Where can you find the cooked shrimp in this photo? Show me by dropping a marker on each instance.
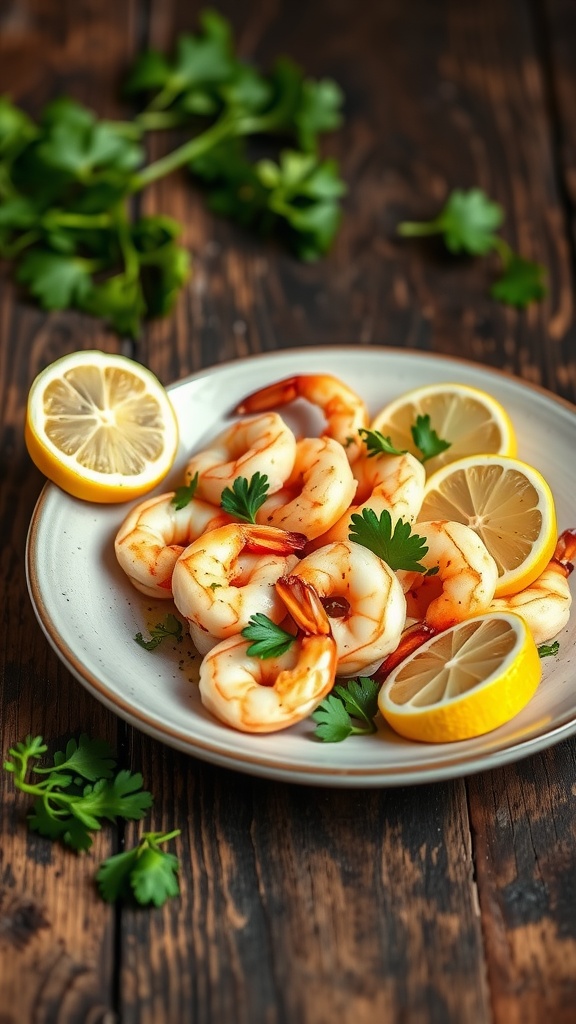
(154, 535)
(228, 575)
(364, 600)
(545, 604)
(393, 482)
(317, 492)
(465, 582)
(268, 694)
(264, 444)
(344, 410)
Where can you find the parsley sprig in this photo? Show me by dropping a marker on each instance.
(377, 444)
(468, 224)
(347, 711)
(425, 439)
(184, 495)
(549, 650)
(245, 497)
(66, 809)
(67, 180)
(145, 872)
(268, 639)
(171, 628)
(398, 547)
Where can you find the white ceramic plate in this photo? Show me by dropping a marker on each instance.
(90, 612)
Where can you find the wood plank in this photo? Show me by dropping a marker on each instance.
(307, 906)
(56, 935)
(449, 96)
(457, 90)
(524, 835)
(556, 27)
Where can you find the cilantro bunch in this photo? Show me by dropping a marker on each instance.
(67, 180)
(75, 794)
(468, 224)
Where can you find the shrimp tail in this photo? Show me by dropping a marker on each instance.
(280, 393)
(412, 639)
(304, 604)
(565, 551)
(272, 540)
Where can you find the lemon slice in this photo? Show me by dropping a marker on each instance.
(464, 682)
(469, 419)
(100, 426)
(508, 504)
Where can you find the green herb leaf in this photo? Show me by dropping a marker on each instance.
(521, 282)
(360, 698)
(548, 650)
(146, 872)
(185, 494)
(467, 223)
(66, 183)
(63, 808)
(269, 640)
(170, 628)
(92, 759)
(56, 281)
(399, 548)
(244, 498)
(426, 439)
(377, 444)
(357, 702)
(334, 724)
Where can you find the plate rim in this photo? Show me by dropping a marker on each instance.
(363, 776)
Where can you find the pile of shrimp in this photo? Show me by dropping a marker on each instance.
(349, 612)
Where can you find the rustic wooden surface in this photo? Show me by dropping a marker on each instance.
(435, 905)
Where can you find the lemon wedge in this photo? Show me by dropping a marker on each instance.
(471, 420)
(464, 682)
(508, 504)
(100, 426)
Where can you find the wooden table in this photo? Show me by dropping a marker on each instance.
(452, 902)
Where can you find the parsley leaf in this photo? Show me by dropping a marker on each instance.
(146, 872)
(399, 548)
(269, 640)
(426, 439)
(467, 223)
(57, 281)
(377, 444)
(92, 759)
(521, 282)
(63, 808)
(548, 650)
(185, 494)
(355, 702)
(245, 497)
(171, 627)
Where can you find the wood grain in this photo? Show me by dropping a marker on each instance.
(56, 935)
(306, 905)
(434, 905)
(524, 836)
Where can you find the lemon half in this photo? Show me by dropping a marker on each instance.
(100, 426)
(508, 504)
(463, 682)
(469, 419)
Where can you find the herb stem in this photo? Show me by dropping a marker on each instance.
(81, 221)
(184, 154)
(504, 251)
(28, 238)
(157, 120)
(411, 228)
